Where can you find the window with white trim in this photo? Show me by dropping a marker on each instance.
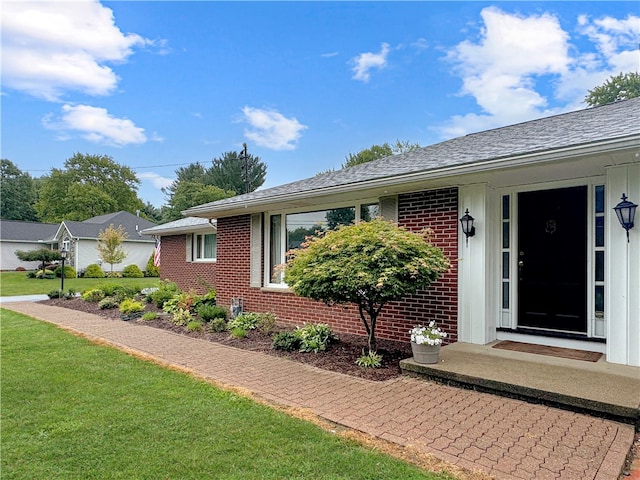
(205, 246)
(287, 231)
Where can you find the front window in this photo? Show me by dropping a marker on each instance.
(205, 246)
(295, 227)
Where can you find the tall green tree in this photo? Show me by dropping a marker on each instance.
(195, 184)
(187, 194)
(619, 87)
(17, 193)
(110, 245)
(227, 172)
(379, 151)
(87, 186)
(368, 264)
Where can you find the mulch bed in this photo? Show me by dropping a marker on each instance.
(339, 356)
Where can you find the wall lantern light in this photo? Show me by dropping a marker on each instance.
(467, 225)
(626, 212)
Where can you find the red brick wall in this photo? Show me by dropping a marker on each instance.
(435, 209)
(189, 276)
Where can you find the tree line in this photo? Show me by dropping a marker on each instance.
(90, 185)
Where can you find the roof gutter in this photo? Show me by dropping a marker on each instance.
(565, 153)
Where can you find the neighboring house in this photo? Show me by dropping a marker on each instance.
(549, 262)
(81, 240)
(188, 249)
(19, 235)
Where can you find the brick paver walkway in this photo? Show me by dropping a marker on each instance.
(506, 438)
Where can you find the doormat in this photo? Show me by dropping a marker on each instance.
(549, 351)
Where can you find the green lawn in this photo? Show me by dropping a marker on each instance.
(73, 409)
(17, 283)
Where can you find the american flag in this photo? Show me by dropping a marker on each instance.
(156, 253)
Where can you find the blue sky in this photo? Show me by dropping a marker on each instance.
(158, 85)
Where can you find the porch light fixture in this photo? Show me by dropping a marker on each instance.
(467, 225)
(626, 212)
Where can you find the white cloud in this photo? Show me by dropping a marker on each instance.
(156, 179)
(513, 52)
(95, 125)
(271, 129)
(329, 55)
(50, 48)
(364, 62)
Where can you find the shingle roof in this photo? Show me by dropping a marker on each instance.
(188, 224)
(91, 227)
(580, 128)
(27, 231)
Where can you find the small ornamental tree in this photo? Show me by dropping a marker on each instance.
(369, 264)
(43, 255)
(109, 245)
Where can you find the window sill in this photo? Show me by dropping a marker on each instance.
(204, 260)
(276, 290)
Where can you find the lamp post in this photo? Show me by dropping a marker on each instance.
(63, 256)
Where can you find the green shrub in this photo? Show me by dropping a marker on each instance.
(209, 312)
(180, 301)
(131, 306)
(69, 272)
(370, 360)
(45, 274)
(108, 303)
(217, 325)
(266, 322)
(238, 332)
(93, 295)
(208, 298)
(151, 270)
(54, 294)
(71, 293)
(166, 290)
(244, 321)
(194, 326)
(93, 271)
(120, 292)
(252, 321)
(109, 289)
(182, 317)
(31, 274)
(148, 316)
(314, 337)
(286, 341)
(132, 271)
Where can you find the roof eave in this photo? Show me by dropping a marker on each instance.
(179, 230)
(564, 153)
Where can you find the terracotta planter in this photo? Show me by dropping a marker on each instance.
(424, 353)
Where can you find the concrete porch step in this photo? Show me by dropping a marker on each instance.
(597, 388)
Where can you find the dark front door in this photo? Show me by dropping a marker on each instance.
(552, 259)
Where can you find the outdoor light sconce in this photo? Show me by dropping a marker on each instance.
(626, 212)
(467, 225)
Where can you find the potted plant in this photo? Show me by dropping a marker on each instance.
(426, 342)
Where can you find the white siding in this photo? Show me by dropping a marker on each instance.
(86, 252)
(8, 259)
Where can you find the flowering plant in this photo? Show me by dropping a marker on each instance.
(430, 335)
